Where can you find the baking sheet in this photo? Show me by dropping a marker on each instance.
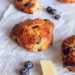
(12, 56)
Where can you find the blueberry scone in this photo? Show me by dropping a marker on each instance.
(28, 6)
(68, 53)
(34, 35)
(67, 1)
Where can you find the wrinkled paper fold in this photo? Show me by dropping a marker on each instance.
(12, 56)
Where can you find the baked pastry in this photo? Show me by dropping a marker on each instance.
(67, 1)
(68, 53)
(28, 6)
(34, 35)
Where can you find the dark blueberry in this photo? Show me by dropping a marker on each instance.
(29, 65)
(66, 50)
(35, 26)
(27, 4)
(46, 19)
(49, 9)
(21, 9)
(69, 64)
(19, 0)
(70, 70)
(39, 50)
(53, 12)
(57, 17)
(24, 71)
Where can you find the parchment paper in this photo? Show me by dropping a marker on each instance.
(12, 56)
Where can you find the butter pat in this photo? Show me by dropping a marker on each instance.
(47, 67)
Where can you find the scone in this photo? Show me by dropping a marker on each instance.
(68, 53)
(34, 35)
(67, 1)
(28, 6)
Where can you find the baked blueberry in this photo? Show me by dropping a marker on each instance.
(24, 71)
(27, 4)
(57, 17)
(29, 65)
(19, 0)
(69, 64)
(66, 50)
(46, 20)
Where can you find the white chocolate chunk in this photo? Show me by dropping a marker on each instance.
(47, 67)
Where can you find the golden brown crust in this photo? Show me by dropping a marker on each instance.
(28, 6)
(67, 1)
(68, 52)
(34, 35)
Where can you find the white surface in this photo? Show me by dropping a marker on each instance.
(12, 56)
(3, 6)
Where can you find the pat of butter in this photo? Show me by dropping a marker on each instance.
(47, 67)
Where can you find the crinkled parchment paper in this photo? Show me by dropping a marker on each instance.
(13, 56)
